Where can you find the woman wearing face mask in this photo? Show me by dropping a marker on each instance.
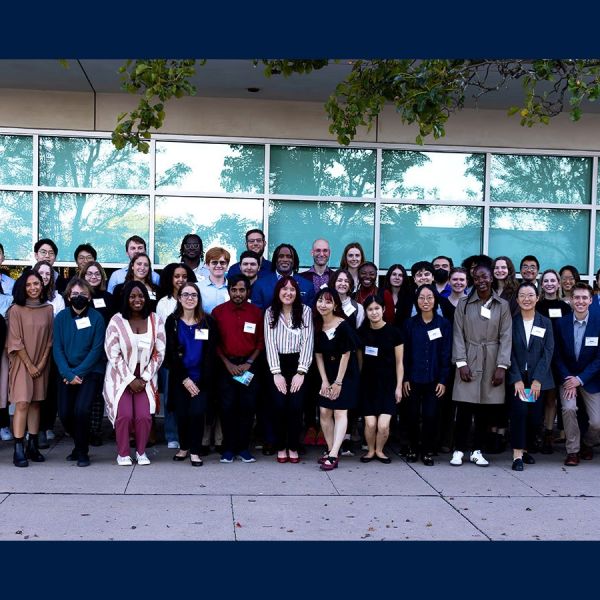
(398, 284)
(367, 277)
(29, 345)
(102, 301)
(335, 355)
(140, 269)
(569, 276)
(352, 257)
(79, 355)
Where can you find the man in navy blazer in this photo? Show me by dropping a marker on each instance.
(285, 262)
(577, 361)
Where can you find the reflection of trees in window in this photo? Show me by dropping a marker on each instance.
(559, 179)
(15, 224)
(244, 169)
(322, 171)
(16, 160)
(300, 223)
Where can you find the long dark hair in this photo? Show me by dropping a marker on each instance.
(165, 287)
(431, 287)
(127, 289)
(19, 292)
(343, 261)
(199, 313)
(148, 280)
(295, 258)
(277, 305)
(510, 283)
(330, 294)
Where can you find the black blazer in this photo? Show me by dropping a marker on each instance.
(537, 355)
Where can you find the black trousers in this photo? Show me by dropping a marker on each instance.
(422, 405)
(190, 412)
(466, 413)
(75, 408)
(49, 406)
(525, 421)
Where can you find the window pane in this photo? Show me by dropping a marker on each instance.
(300, 223)
(16, 210)
(103, 220)
(410, 233)
(432, 175)
(218, 221)
(555, 237)
(559, 179)
(210, 168)
(87, 163)
(16, 160)
(322, 171)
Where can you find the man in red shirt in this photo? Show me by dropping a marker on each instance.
(241, 340)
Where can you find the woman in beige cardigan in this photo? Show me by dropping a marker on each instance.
(481, 351)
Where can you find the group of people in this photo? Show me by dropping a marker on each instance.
(457, 359)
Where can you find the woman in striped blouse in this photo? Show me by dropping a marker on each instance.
(289, 346)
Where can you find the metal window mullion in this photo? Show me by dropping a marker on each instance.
(486, 204)
(152, 194)
(377, 220)
(266, 196)
(35, 221)
(593, 220)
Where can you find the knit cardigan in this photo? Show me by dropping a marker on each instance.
(122, 353)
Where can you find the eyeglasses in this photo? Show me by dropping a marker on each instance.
(527, 296)
(48, 253)
(254, 241)
(191, 246)
(567, 278)
(529, 268)
(214, 263)
(93, 275)
(189, 295)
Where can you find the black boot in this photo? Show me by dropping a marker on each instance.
(19, 458)
(33, 451)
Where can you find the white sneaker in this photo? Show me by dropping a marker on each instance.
(173, 445)
(142, 459)
(50, 434)
(456, 459)
(477, 458)
(5, 434)
(124, 461)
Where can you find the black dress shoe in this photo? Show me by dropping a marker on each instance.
(268, 450)
(528, 459)
(411, 457)
(428, 460)
(73, 456)
(517, 464)
(386, 460)
(366, 459)
(83, 461)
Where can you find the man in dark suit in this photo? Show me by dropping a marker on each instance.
(577, 360)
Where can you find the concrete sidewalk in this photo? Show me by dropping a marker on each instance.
(57, 500)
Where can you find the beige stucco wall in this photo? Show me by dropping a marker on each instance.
(271, 119)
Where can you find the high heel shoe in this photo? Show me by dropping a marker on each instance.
(283, 459)
(179, 458)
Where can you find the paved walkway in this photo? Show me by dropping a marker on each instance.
(57, 500)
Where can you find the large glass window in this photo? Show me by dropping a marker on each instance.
(432, 175)
(103, 220)
(305, 171)
(218, 221)
(16, 160)
(555, 237)
(419, 232)
(556, 179)
(300, 223)
(91, 163)
(210, 168)
(15, 224)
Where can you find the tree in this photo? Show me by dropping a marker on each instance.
(423, 92)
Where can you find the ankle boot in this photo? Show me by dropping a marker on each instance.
(19, 458)
(33, 451)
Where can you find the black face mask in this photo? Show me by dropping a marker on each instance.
(79, 302)
(440, 276)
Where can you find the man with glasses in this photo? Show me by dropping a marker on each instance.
(192, 255)
(46, 249)
(529, 267)
(134, 245)
(319, 273)
(214, 287)
(255, 242)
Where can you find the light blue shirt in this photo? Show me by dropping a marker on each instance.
(5, 303)
(579, 332)
(7, 283)
(212, 295)
(119, 277)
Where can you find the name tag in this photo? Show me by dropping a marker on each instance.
(486, 313)
(323, 286)
(83, 323)
(201, 334)
(555, 313)
(144, 344)
(99, 303)
(434, 334)
(249, 327)
(371, 351)
(330, 333)
(349, 309)
(152, 295)
(591, 341)
(538, 331)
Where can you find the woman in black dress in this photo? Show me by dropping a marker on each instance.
(382, 371)
(335, 355)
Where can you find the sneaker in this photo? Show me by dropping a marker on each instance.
(174, 445)
(227, 457)
(246, 457)
(50, 434)
(142, 459)
(477, 458)
(124, 461)
(457, 458)
(347, 448)
(5, 434)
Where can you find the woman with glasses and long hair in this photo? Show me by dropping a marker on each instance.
(569, 276)
(102, 300)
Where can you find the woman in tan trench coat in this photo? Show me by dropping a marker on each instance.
(481, 351)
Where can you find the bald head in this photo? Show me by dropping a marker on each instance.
(320, 252)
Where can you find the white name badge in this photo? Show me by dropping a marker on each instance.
(591, 341)
(434, 334)
(323, 286)
(144, 344)
(371, 351)
(349, 309)
(330, 333)
(249, 327)
(85, 323)
(538, 331)
(555, 313)
(201, 334)
(486, 313)
(152, 295)
(99, 303)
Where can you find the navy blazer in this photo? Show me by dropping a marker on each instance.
(537, 355)
(264, 287)
(587, 368)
